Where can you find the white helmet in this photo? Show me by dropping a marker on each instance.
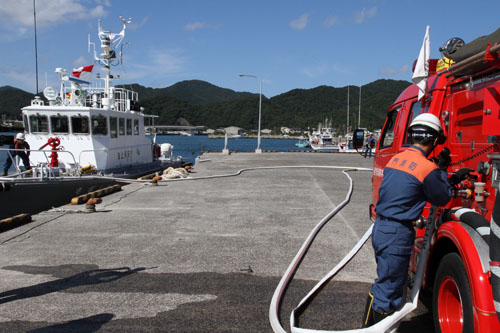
(427, 119)
(20, 136)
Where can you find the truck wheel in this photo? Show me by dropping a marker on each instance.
(451, 298)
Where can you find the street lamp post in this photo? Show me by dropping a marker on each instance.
(257, 150)
(359, 108)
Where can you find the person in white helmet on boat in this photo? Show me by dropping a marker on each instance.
(19, 143)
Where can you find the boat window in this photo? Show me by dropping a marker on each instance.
(136, 126)
(113, 124)
(80, 125)
(39, 124)
(99, 125)
(122, 126)
(129, 126)
(59, 124)
(26, 124)
(387, 136)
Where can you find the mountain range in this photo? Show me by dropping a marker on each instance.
(198, 102)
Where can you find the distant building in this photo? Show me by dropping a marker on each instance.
(266, 131)
(285, 130)
(233, 130)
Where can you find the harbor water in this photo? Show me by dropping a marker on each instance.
(190, 147)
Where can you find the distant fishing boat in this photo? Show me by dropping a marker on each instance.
(322, 138)
(303, 143)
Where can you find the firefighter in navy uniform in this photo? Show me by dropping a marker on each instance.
(410, 180)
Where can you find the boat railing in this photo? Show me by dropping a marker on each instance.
(124, 99)
(50, 171)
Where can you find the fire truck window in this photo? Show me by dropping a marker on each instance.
(129, 126)
(416, 109)
(80, 125)
(122, 126)
(59, 124)
(39, 124)
(26, 124)
(387, 136)
(113, 125)
(99, 125)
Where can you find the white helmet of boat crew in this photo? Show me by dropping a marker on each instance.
(20, 136)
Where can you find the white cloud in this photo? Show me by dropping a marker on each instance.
(98, 12)
(157, 63)
(331, 21)
(195, 26)
(323, 69)
(81, 61)
(316, 71)
(135, 26)
(200, 25)
(364, 14)
(106, 3)
(17, 16)
(300, 23)
(167, 62)
(24, 76)
(391, 71)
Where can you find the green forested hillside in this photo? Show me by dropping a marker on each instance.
(12, 100)
(201, 103)
(301, 108)
(192, 91)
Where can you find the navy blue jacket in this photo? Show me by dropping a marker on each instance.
(410, 180)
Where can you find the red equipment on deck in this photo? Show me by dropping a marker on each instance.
(54, 144)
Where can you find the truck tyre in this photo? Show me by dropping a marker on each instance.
(451, 297)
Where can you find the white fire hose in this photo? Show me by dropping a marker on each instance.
(388, 324)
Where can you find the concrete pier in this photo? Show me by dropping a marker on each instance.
(196, 255)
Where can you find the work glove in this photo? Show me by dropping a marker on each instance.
(460, 175)
(444, 159)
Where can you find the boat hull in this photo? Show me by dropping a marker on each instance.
(330, 148)
(34, 196)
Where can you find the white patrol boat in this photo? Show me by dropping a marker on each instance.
(83, 139)
(91, 128)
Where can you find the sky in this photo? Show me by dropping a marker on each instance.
(286, 44)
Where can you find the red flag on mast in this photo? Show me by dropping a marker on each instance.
(83, 71)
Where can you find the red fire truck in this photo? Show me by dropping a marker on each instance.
(463, 272)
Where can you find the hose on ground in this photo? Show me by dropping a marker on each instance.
(390, 323)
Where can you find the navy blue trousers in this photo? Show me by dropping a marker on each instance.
(22, 155)
(393, 243)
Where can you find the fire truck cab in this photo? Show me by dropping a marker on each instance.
(463, 274)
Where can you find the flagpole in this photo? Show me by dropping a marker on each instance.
(421, 71)
(347, 129)
(36, 47)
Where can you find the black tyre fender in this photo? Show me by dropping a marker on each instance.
(452, 270)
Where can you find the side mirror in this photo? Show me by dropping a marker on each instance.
(358, 138)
